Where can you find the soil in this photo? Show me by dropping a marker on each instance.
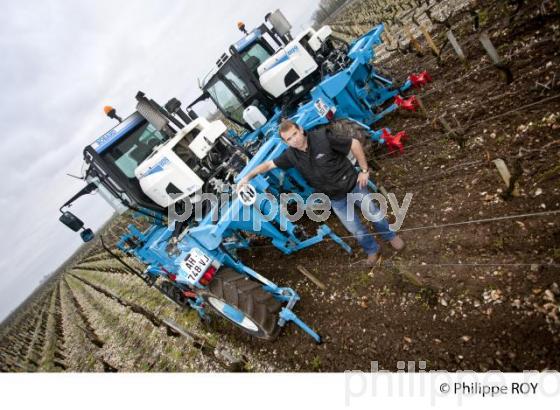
(427, 303)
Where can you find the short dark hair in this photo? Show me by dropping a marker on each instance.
(285, 125)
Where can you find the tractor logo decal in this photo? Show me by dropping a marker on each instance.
(292, 50)
(116, 133)
(157, 167)
(285, 57)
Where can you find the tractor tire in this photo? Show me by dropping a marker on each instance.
(244, 303)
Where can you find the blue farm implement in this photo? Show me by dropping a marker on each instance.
(162, 160)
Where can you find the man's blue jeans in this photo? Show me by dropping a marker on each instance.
(350, 218)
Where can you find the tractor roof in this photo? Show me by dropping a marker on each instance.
(117, 132)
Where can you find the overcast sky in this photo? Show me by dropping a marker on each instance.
(61, 62)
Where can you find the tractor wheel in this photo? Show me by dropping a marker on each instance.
(243, 302)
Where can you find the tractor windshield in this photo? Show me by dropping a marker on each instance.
(130, 151)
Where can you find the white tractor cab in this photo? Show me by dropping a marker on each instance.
(269, 68)
(155, 158)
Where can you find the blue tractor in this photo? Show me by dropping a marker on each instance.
(164, 162)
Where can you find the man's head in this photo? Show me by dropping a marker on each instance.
(293, 134)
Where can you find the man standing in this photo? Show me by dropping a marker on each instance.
(321, 158)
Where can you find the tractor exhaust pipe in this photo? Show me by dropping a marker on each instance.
(174, 107)
(156, 115)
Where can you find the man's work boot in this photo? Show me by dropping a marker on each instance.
(397, 243)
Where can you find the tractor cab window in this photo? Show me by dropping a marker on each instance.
(238, 83)
(254, 57)
(224, 97)
(132, 150)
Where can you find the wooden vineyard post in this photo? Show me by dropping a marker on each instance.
(457, 47)
(421, 107)
(495, 57)
(311, 277)
(413, 41)
(430, 40)
(509, 180)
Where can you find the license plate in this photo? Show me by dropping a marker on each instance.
(196, 264)
(321, 107)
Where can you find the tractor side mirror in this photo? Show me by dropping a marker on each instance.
(71, 221)
(87, 235)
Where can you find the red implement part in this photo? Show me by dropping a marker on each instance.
(409, 104)
(189, 294)
(208, 276)
(420, 80)
(172, 277)
(394, 142)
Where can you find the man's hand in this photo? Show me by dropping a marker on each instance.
(259, 169)
(363, 179)
(358, 152)
(242, 182)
